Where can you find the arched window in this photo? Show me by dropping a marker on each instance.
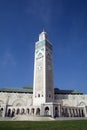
(56, 108)
(28, 110)
(9, 113)
(38, 111)
(32, 110)
(46, 111)
(13, 113)
(22, 111)
(18, 111)
(81, 104)
(38, 95)
(56, 112)
(1, 111)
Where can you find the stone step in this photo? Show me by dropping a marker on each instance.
(5, 119)
(31, 118)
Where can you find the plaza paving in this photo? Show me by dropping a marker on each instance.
(39, 118)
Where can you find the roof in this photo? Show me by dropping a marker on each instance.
(29, 89)
(18, 90)
(59, 91)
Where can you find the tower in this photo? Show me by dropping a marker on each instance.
(43, 90)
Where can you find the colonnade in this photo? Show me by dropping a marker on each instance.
(63, 111)
(72, 112)
(11, 112)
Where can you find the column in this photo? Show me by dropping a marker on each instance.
(68, 110)
(59, 110)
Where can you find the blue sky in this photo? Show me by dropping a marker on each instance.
(21, 22)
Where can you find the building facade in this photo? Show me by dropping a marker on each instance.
(43, 99)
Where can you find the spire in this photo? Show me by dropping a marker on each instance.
(43, 30)
(43, 35)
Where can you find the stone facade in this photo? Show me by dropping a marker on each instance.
(42, 100)
(12, 104)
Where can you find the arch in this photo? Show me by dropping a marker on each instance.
(47, 111)
(18, 102)
(56, 108)
(1, 111)
(13, 112)
(38, 111)
(27, 110)
(22, 111)
(9, 112)
(67, 103)
(82, 104)
(32, 111)
(56, 112)
(46, 108)
(1, 102)
(18, 111)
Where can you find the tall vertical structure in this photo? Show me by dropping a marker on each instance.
(43, 91)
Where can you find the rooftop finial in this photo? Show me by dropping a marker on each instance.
(43, 35)
(43, 30)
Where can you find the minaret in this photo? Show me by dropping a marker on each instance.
(43, 90)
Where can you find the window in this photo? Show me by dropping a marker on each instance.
(38, 95)
(49, 95)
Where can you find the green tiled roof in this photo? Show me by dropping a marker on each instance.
(19, 90)
(59, 91)
(29, 89)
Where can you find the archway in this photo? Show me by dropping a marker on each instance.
(38, 111)
(1, 111)
(32, 111)
(9, 113)
(13, 113)
(82, 104)
(56, 112)
(27, 111)
(46, 111)
(22, 111)
(18, 103)
(18, 111)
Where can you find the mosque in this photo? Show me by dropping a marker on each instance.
(42, 99)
